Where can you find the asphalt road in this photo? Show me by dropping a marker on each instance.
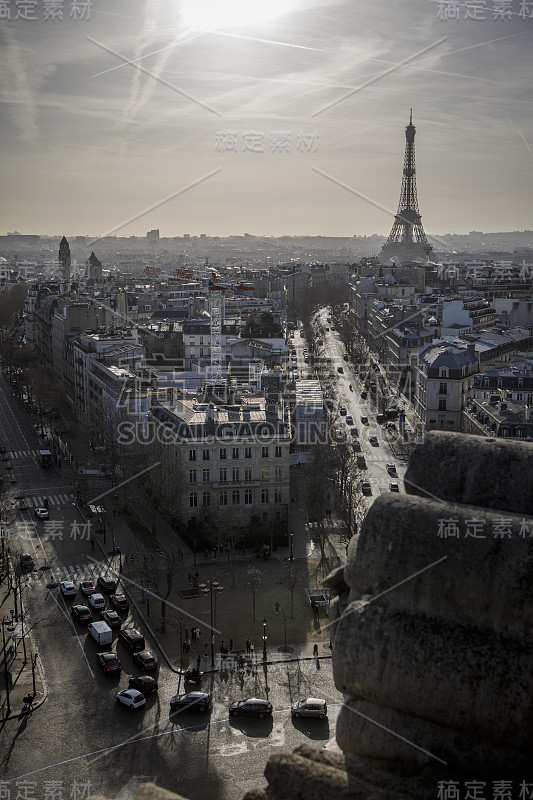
(80, 737)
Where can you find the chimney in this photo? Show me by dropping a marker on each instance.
(471, 348)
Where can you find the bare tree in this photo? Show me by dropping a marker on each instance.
(252, 582)
(291, 578)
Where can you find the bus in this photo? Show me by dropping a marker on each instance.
(45, 457)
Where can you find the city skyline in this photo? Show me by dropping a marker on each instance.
(289, 122)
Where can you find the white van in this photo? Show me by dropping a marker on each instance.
(101, 632)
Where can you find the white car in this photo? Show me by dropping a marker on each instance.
(96, 600)
(131, 698)
(41, 513)
(68, 589)
(393, 486)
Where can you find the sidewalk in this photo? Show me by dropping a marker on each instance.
(24, 672)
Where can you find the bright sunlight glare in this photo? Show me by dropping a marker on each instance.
(215, 14)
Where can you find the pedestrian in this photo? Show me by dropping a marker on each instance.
(206, 650)
(222, 646)
(184, 647)
(252, 648)
(198, 632)
(196, 577)
(277, 608)
(193, 634)
(316, 611)
(231, 645)
(198, 662)
(188, 645)
(92, 543)
(247, 645)
(315, 652)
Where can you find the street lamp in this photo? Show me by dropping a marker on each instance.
(205, 588)
(264, 639)
(291, 557)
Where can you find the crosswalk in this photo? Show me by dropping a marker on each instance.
(13, 454)
(53, 500)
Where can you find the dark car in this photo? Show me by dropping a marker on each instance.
(196, 701)
(253, 707)
(132, 639)
(145, 660)
(364, 420)
(366, 487)
(340, 370)
(144, 683)
(81, 614)
(364, 395)
(119, 602)
(112, 618)
(26, 561)
(107, 583)
(109, 663)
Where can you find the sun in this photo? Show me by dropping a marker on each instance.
(216, 14)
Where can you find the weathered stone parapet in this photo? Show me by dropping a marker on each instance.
(474, 470)
(485, 582)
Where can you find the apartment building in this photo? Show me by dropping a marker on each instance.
(225, 455)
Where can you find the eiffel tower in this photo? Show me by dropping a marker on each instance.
(407, 240)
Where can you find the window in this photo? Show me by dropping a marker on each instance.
(236, 497)
(201, 339)
(235, 452)
(222, 453)
(277, 473)
(202, 352)
(264, 495)
(442, 404)
(223, 498)
(192, 455)
(265, 473)
(235, 474)
(264, 452)
(247, 473)
(205, 454)
(247, 452)
(192, 476)
(443, 373)
(248, 497)
(223, 475)
(206, 475)
(277, 497)
(443, 388)
(206, 499)
(193, 500)
(277, 452)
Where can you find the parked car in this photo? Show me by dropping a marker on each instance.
(68, 589)
(346, 358)
(354, 433)
(112, 618)
(349, 420)
(87, 588)
(317, 600)
(132, 639)
(131, 698)
(373, 441)
(340, 370)
(393, 486)
(106, 583)
(391, 468)
(364, 395)
(96, 601)
(342, 411)
(310, 707)
(366, 487)
(41, 513)
(144, 683)
(145, 660)
(109, 663)
(364, 420)
(81, 614)
(26, 561)
(253, 707)
(120, 602)
(196, 701)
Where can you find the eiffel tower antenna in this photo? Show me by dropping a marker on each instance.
(407, 239)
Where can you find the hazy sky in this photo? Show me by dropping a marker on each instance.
(256, 103)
